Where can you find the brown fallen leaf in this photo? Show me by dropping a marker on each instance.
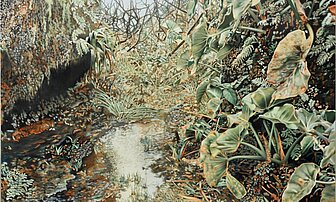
(33, 129)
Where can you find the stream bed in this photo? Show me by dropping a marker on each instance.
(132, 149)
(85, 166)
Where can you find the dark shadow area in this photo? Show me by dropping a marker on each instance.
(60, 81)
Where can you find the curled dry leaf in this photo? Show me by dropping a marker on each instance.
(288, 67)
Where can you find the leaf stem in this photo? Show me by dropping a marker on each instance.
(269, 134)
(326, 183)
(260, 158)
(293, 146)
(258, 140)
(263, 154)
(295, 10)
(253, 29)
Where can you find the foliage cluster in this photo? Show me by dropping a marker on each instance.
(15, 183)
(212, 55)
(264, 114)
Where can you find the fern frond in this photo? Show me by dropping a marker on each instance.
(296, 153)
(246, 52)
(260, 82)
(82, 46)
(324, 57)
(75, 34)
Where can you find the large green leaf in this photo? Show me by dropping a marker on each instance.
(223, 52)
(172, 26)
(288, 67)
(329, 115)
(229, 141)
(260, 99)
(199, 41)
(191, 7)
(301, 182)
(284, 114)
(214, 91)
(213, 106)
(239, 7)
(241, 118)
(230, 95)
(329, 154)
(328, 193)
(184, 61)
(205, 149)
(215, 168)
(227, 20)
(236, 188)
(201, 89)
(308, 121)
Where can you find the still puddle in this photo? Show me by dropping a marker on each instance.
(132, 149)
(114, 166)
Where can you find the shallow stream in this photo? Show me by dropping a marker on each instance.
(116, 165)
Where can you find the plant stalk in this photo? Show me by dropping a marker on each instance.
(270, 141)
(253, 29)
(292, 147)
(260, 158)
(263, 154)
(326, 183)
(258, 140)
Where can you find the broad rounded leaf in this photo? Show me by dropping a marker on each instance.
(214, 91)
(240, 117)
(308, 121)
(172, 26)
(214, 105)
(329, 154)
(236, 188)
(229, 141)
(205, 149)
(199, 41)
(191, 7)
(260, 99)
(228, 19)
(230, 95)
(223, 52)
(328, 193)
(184, 61)
(215, 168)
(288, 67)
(201, 89)
(239, 7)
(329, 115)
(284, 114)
(301, 182)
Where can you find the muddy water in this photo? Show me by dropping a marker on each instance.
(132, 149)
